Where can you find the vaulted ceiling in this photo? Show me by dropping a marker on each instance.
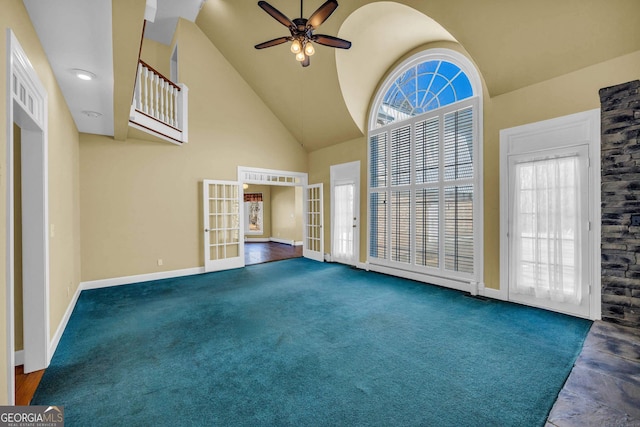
(514, 43)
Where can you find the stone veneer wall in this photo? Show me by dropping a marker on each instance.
(620, 175)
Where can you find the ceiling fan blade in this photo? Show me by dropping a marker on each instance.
(273, 42)
(322, 13)
(276, 14)
(331, 41)
(306, 62)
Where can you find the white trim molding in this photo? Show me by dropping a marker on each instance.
(139, 278)
(27, 106)
(437, 275)
(574, 130)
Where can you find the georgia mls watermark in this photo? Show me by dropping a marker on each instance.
(31, 416)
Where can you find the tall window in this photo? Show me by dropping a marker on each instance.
(423, 169)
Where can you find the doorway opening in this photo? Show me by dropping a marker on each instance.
(273, 221)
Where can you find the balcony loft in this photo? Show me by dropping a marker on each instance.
(159, 110)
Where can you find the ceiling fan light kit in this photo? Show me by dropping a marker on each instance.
(301, 29)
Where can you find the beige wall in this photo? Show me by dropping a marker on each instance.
(571, 93)
(266, 209)
(64, 247)
(141, 201)
(284, 217)
(157, 55)
(320, 163)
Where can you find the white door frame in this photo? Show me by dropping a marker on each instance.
(27, 107)
(572, 130)
(260, 176)
(347, 173)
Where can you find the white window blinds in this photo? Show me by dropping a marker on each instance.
(421, 207)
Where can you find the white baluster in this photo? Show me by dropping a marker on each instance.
(161, 100)
(156, 114)
(170, 104)
(166, 102)
(146, 90)
(138, 96)
(175, 108)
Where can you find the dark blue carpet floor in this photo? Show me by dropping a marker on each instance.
(302, 343)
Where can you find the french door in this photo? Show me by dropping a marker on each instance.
(223, 231)
(549, 229)
(313, 246)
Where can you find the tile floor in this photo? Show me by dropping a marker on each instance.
(603, 388)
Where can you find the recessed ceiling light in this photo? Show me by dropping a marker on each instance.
(83, 74)
(92, 114)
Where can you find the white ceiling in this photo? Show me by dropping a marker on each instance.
(164, 25)
(77, 34)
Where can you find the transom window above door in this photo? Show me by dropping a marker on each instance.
(423, 87)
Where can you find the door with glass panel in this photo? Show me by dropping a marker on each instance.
(223, 233)
(344, 223)
(549, 229)
(345, 212)
(313, 247)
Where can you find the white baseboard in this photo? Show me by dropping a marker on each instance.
(285, 241)
(18, 358)
(493, 293)
(419, 277)
(55, 340)
(127, 280)
(273, 239)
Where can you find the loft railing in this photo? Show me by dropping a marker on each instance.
(159, 106)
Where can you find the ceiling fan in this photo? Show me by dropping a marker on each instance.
(302, 37)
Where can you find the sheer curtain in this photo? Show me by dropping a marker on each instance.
(545, 229)
(343, 221)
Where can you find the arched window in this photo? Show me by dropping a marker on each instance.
(424, 170)
(425, 86)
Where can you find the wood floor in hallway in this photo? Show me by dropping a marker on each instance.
(259, 252)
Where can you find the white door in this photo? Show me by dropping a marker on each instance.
(549, 229)
(345, 212)
(313, 247)
(344, 223)
(223, 233)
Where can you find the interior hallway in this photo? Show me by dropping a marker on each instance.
(259, 252)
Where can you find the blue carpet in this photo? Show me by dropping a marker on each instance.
(304, 343)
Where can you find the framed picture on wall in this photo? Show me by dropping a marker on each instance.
(253, 208)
